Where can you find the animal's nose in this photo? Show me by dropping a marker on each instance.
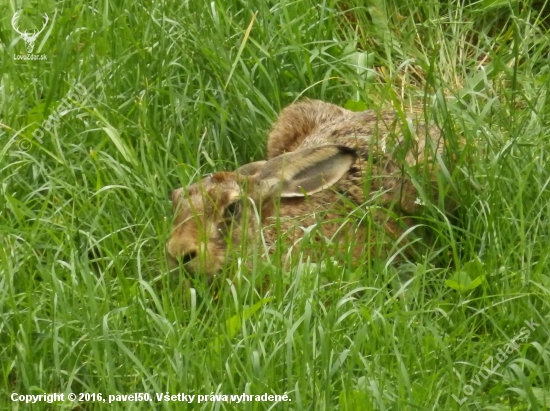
(182, 253)
(188, 256)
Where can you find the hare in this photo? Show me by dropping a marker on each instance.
(324, 163)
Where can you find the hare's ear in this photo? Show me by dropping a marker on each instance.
(305, 171)
(175, 195)
(250, 169)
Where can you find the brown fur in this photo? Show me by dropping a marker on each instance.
(384, 155)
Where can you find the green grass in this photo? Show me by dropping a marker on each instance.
(179, 89)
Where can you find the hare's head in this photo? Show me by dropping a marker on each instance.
(226, 209)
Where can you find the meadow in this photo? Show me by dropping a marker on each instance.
(126, 101)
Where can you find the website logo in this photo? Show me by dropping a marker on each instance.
(28, 37)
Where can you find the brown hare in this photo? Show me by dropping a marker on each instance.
(324, 163)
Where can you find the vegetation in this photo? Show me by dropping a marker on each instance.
(134, 99)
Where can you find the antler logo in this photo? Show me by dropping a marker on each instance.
(29, 38)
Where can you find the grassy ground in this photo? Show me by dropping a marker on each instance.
(173, 90)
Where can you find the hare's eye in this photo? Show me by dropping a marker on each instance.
(232, 210)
